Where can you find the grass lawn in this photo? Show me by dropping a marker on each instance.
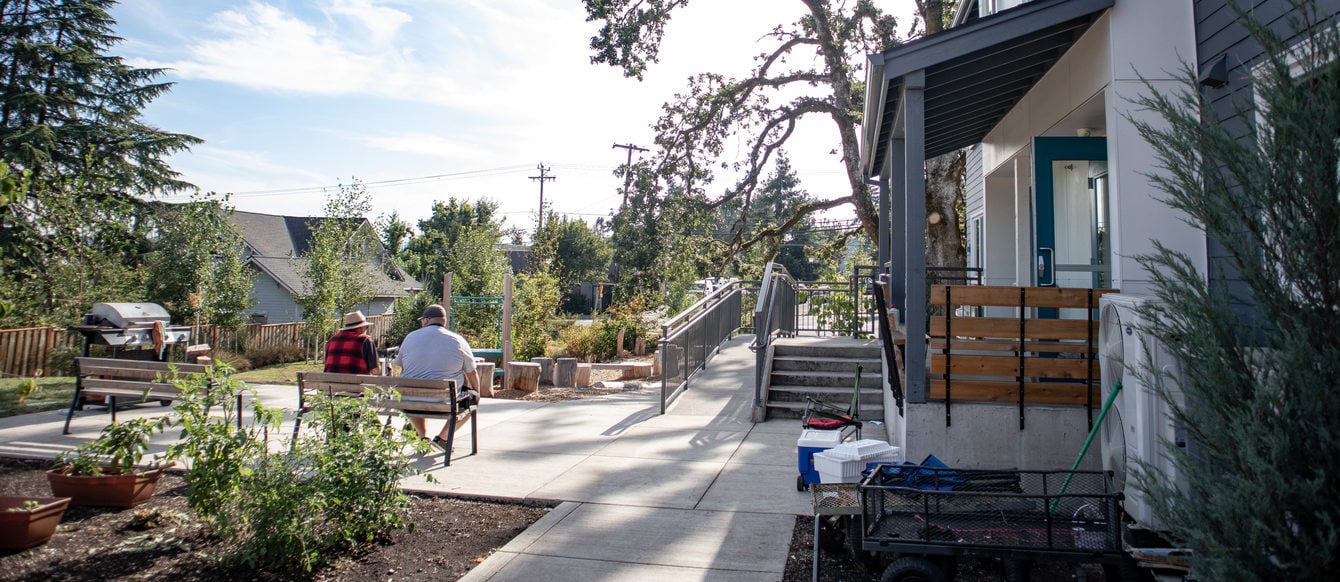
(51, 394)
(280, 374)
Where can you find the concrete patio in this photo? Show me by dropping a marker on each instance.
(699, 493)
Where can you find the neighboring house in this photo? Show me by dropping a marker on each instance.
(1040, 92)
(275, 247)
(518, 256)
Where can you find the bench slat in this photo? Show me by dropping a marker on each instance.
(373, 380)
(104, 386)
(139, 365)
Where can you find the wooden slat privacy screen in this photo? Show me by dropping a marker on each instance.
(1021, 358)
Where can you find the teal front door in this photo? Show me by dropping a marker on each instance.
(1072, 247)
(1071, 214)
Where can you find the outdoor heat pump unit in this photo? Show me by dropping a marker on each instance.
(1140, 423)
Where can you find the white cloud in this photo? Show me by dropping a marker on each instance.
(382, 22)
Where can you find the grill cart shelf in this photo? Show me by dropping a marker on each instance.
(931, 515)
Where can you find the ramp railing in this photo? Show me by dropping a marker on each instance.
(690, 339)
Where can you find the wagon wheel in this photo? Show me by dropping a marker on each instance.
(831, 536)
(866, 560)
(1016, 570)
(913, 569)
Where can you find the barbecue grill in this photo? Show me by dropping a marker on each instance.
(142, 326)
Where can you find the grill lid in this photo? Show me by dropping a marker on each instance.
(125, 315)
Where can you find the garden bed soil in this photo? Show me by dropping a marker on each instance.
(159, 540)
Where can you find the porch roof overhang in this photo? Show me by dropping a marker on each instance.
(973, 74)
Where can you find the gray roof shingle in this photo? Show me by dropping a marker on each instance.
(279, 242)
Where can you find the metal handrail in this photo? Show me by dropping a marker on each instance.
(777, 292)
(692, 337)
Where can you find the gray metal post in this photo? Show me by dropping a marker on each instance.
(914, 108)
(897, 166)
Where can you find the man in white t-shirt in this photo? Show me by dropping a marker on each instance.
(436, 353)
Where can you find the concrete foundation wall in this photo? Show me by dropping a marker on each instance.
(987, 436)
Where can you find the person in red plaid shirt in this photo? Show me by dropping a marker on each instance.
(350, 351)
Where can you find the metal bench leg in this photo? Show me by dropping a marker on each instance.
(451, 438)
(111, 406)
(73, 403)
(474, 431)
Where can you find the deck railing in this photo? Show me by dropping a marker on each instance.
(1034, 345)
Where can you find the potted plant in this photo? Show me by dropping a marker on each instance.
(29, 521)
(103, 472)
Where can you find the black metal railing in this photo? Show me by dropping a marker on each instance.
(774, 315)
(690, 339)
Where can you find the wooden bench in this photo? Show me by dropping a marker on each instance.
(131, 380)
(418, 397)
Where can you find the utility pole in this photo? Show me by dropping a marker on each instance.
(628, 168)
(544, 176)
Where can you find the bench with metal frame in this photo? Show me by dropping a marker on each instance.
(418, 397)
(130, 381)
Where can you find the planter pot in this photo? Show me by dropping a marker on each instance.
(127, 490)
(23, 529)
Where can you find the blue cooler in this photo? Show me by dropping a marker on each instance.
(812, 441)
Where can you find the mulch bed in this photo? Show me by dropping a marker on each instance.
(451, 537)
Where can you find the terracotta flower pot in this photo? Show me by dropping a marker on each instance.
(125, 490)
(21, 529)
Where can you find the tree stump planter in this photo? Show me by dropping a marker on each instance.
(21, 529)
(546, 369)
(565, 372)
(524, 376)
(485, 370)
(124, 490)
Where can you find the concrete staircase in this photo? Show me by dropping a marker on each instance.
(823, 369)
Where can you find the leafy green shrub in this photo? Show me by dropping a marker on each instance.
(577, 341)
(536, 301)
(234, 361)
(406, 319)
(260, 358)
(116, 451)
(335, 487)
(61, 362)
(599, 341)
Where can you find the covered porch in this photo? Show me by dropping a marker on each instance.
(1040, 94)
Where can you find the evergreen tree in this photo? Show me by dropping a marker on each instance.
(1257, 488)
(70, 121)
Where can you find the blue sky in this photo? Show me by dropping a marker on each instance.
(427, 99)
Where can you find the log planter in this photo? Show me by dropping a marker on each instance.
(22, 528)
(107, 490)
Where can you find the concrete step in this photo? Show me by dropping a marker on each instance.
(784, 409)
(839, 397)
(820, 350)
(807, 378)
(825, 364)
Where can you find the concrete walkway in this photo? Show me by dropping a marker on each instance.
(700, 493)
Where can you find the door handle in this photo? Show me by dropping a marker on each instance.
(1043, 269)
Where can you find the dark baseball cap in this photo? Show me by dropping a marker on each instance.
(434, 311)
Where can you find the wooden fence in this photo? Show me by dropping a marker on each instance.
(1024, 358)
(27, 350)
